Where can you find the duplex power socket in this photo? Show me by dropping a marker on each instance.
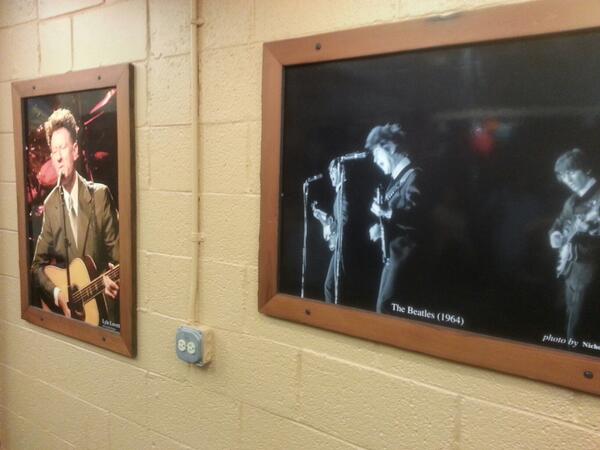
(194, 345)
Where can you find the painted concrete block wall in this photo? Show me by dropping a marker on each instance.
(272, 384)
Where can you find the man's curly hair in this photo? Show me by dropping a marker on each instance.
(61, 118)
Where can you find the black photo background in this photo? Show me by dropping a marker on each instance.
(486, 123)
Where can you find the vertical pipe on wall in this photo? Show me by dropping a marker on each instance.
(196, 238)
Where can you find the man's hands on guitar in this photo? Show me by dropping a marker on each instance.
(375, 232)
(111, 288)
(379, 211)
(582, 224)
(319, 214)
(326, 221)
(556, 239)
(63, 303)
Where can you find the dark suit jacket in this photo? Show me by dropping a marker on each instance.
(402, 231)
(100, 240)
(403, 197)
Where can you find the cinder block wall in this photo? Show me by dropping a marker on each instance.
(273, 384)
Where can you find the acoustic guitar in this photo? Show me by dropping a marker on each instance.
(85, 291)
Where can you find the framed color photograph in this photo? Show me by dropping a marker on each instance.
(435, 185)
(75, 185)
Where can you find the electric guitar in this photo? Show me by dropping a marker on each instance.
(85, 291)
(328, 224)
(567, 252)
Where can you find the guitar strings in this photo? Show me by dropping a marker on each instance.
(94, 285)
(89, 291)
(97, 283)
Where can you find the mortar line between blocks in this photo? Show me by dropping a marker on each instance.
(530, 413)
(56, 388)
(83, 10)
(14, 25)
(151, 253)
(41, 427)
(150, 429)
(303, 425)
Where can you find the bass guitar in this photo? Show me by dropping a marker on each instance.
(86, 288)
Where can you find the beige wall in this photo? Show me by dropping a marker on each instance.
(272, 384)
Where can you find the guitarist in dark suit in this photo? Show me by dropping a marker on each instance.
(333, 233)
(398, 212)
(92, 221)
(576, 235)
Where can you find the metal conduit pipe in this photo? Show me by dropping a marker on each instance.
(195, 232)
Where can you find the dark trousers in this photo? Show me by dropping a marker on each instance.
(396, 274)
(329, 288)
(581, 304)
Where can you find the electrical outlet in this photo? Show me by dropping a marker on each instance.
(194, 345)
(191, 348)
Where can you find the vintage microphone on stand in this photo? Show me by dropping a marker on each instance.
(64, 223)
(304, 243)
(353, 156)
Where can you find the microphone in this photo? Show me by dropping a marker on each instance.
(60, 177)
(355, 155)
(314, 178)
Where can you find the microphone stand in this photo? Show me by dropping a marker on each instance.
(64, 221)
(305, 199)
(339, 213)
(304, 244)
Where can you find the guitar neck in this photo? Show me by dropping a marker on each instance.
(96, 286)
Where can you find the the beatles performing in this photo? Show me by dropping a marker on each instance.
(395, 213)
(398, 218)
(430, 186)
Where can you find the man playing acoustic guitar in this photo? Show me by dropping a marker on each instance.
(576, 236)
(86, 228)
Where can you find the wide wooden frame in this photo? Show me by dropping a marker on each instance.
(120, 77)
(551, 16)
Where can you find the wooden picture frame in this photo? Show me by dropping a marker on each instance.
(526, 22)
(97, 156)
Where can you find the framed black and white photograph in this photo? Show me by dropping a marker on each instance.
(74, 176)
(435, 185)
